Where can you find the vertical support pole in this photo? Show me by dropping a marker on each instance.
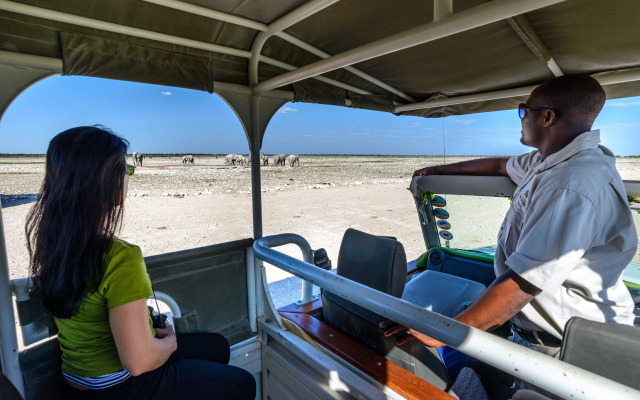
(307, 293)
(8, 337)
(251, 288)
(307, 287)
(254, 146)
(442, 9)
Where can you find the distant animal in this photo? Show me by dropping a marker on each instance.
(265, 159)
(228, 159)
(238, 159)
(280, 159)
(187, 159)
(137, 158)
(294, 160)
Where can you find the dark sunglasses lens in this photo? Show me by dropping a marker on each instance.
(131, 169)
(522, 110)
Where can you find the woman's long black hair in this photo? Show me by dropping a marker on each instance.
(71, 226)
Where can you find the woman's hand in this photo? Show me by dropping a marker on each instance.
(167, 331)
(139, 351)
(393, 328)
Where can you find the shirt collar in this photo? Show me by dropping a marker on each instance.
(586, 140)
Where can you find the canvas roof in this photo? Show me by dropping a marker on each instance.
(135, 40)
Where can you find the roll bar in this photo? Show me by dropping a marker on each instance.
(556, 376)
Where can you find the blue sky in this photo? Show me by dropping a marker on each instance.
(158, 119)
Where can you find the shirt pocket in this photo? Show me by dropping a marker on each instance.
(510, 231)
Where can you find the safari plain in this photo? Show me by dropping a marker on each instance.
(172, 206)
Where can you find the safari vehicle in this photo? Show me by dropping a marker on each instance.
(415, 57)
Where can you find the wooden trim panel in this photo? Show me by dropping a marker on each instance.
(384, 371)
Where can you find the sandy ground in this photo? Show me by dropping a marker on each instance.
(172, 206)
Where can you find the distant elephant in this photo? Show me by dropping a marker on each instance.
(280, 159)
(239, 159)
(293, 160)
(265, 159)
(137, 158)
(187, 159)
(228, 159)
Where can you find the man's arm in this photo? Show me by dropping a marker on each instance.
(481, 166)
(503, 299)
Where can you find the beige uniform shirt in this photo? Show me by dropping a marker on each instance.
(570, 233)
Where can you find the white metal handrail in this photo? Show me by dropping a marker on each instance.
(556, 376)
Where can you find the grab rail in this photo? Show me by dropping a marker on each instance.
(556, 376)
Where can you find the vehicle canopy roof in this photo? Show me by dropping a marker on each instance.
(415, 57)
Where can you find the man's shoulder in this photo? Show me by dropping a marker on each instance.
(588, 172)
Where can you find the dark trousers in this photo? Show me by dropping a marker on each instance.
(197, 370)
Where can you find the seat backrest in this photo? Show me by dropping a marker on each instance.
(379, 263)
(610, 350)
(375, 261)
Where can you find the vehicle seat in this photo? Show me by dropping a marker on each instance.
(610, 349)
(379, 263)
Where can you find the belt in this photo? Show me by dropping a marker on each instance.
(537, 337)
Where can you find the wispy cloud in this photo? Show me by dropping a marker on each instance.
(166, 93)
(465, 121)
(285, 110)
(623, 104)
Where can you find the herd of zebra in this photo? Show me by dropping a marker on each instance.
(235, 159)
(280, 159)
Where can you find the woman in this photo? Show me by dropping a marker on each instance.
(96, 286)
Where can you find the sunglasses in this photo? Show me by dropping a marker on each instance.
(522, 109)
(130, 169)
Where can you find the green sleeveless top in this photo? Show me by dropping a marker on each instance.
(87, 344)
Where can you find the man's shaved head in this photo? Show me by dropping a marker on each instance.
(577, 98)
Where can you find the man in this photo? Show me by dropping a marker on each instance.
(569, 233)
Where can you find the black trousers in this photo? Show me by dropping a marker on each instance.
(196, 370)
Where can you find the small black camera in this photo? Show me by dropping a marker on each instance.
(157, 319)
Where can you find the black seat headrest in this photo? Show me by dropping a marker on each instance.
(607, 349)
(375, 261)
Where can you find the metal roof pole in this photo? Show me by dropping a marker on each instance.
(279, 25)
(232, 19)
(255, 144)
(499, 94)
(481, 15)
(161, 37)
(314, 50)
(17, 73)
(605, 78)
(254, 113)
(116, 28)
(8, 337)
(529, 36)
(442, 9)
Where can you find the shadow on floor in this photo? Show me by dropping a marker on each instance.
(11, 200)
